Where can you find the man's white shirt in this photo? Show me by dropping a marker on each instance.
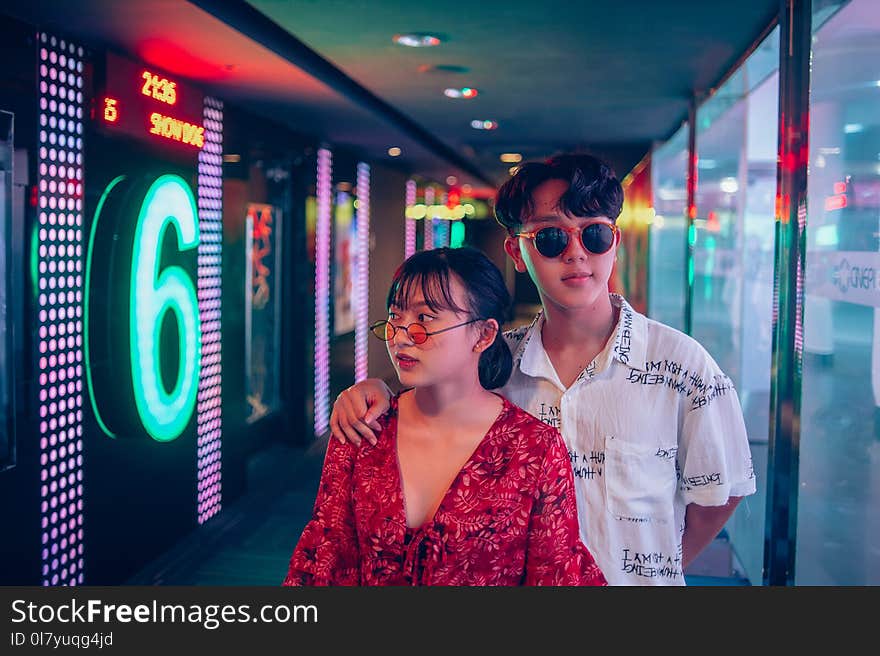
(652, 424)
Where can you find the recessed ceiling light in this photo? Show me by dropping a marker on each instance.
(231, 158)
(451, 180)
(394, 151)
(477, 124)
(466, 189)
(417, 39)
(464, 92)
(442, 68)
(510, 158)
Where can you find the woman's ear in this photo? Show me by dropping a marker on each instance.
(511, 247)
(488, 331)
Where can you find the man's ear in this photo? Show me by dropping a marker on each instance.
(511, 247)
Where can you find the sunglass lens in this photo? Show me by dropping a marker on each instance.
(417, 333)
(550, 242)
(598, 237)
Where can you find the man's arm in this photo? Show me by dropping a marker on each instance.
(356, 409)
(701, 525)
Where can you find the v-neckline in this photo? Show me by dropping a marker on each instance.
(467, 464)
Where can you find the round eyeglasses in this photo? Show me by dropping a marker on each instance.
(385, 330)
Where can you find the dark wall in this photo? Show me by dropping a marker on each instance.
(387, 219)
(140, 494)
(19, 484)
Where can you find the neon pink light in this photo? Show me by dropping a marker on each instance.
(409, 243)
(209, 425)
(428, 243)
(322, 293)
(362, 274)
(61, 121)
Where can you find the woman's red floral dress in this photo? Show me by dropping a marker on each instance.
(509, 517)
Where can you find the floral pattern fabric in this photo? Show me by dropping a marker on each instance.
(508, 518)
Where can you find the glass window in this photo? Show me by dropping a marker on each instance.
(733, 259)
(345, 238)
(838, 513)
(630, 274)
(666, 250)
(7, 411)
(263, 310)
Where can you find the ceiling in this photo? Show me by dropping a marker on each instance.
(603, 75)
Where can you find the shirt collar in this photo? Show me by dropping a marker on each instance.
(631, 335)
(629, 343)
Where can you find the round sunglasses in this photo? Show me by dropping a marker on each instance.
(597, 238)
(385, 330)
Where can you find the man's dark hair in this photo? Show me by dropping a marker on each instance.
(593, 189)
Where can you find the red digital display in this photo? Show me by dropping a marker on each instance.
(149, 105)
(159, 88)
(111, 109)
(835, 203)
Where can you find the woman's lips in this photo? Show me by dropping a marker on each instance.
(405, 362)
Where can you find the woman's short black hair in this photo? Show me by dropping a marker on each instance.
(593, 189)
(487, 297)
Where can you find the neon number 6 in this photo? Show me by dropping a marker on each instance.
(168, 203)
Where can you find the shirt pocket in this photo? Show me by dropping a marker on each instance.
(639, 481)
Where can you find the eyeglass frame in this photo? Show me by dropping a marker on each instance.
(414, 323)
(531, 235)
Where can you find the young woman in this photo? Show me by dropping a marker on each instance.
(463, 488)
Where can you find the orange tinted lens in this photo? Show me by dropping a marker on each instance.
(389, 331)
(417, 333)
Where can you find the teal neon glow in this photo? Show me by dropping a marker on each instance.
(168, 203)
(35, 254)
(692, 240)
(456, 234)
(89, 254)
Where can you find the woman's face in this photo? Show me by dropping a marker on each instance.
(443, 358)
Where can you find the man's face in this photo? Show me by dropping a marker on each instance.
(575, 279)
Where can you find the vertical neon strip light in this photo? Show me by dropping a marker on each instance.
(429, 219)
(322, 293)
(409, 243)
(209, 424)
(362, 281)
(60, 309)
(443, 228)
(442, 233)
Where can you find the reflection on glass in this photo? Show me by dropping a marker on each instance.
(838, 510)
(666, 260)
(263, 310)
(345, 238)
(7, 412)
(733, 259)
(630, 274)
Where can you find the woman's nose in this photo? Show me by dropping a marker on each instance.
(402, 336)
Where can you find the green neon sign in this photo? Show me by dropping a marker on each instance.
(88, 287)
(169, 202)
(157, 224)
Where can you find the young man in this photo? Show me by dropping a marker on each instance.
(654, 428)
